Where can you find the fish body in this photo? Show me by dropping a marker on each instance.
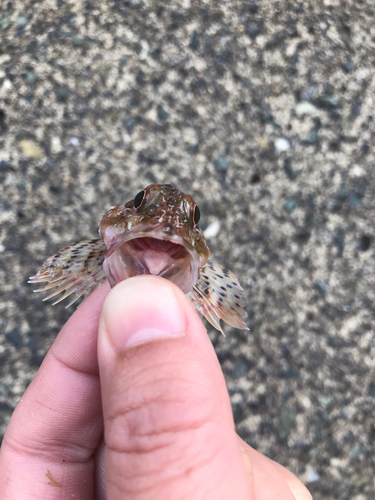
(155, 233)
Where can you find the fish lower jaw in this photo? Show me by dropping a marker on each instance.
(147, 255)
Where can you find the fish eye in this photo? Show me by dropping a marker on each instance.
(138, 200)
(196, 214)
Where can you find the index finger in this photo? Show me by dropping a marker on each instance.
(57, 424)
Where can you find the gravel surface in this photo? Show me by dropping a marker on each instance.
(263, 111)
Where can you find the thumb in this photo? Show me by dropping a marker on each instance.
(169, 430)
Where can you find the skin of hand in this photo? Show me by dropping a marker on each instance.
(136, 366)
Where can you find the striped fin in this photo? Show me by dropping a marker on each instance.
(76, 269)
(218, 295)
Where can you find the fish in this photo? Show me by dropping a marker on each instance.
(155, 233)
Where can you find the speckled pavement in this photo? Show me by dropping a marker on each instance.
(263, 111)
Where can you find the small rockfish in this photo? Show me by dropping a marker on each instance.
(156, 233)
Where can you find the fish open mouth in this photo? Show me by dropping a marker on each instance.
(159, 253)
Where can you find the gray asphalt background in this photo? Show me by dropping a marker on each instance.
(99, 99)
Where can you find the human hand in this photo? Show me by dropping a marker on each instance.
(161, 402)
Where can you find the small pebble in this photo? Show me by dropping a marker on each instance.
(4, 391)
(56, 146)
(290, 205)
(253, 30)
(212, 230)
(247, 82)
(348, 67)
(282, 144)
(357, 171)
(129, 124)
(221, 164)
(252, 7)
(288, 169)
(193, 149)
(15, 337)
(32, 47)
(21, 21)
(30, 149)
(208, 41)
(4, 21)
(312, 476)
(30, 78)
(371, 390)
(321, 285)
(3, 121)
(325, 401)
(78, 41)
(357, 451)
(354, 201)
(326, 102)
(342, 192)
(276, 40)
(74, 141)
(63, 92)
(5, 165)
(305, 108)
(364, 243)
(312, 138)
(162, 114)
(286, 423)
(255, 178)
(241, 367)
(194, 43)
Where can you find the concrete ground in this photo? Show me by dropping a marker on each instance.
(264, 112)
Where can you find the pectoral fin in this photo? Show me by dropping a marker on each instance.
(76, 269)
(218, 295)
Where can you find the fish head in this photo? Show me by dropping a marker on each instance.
(155, 233)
